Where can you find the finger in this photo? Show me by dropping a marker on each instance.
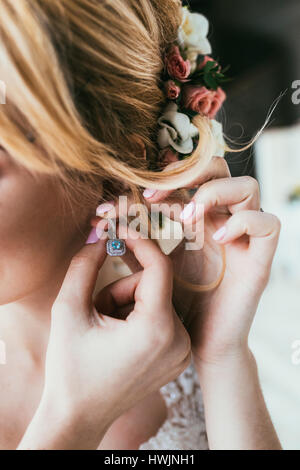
(131, 261)
(237, 194)
(262, 228)
(123, 207)
(79, 282)
(117, 294)
(128, 258)
(217, 168)
(156, 285)
(126, 207)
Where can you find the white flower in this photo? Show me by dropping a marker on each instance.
(176, 130)
(192, 57)
(193, 32)
(217, 132)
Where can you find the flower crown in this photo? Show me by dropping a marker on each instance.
(192, 82)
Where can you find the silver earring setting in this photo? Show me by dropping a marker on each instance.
(114, 246)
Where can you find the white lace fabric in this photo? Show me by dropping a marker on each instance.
(184, 428)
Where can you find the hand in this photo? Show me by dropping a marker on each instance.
(219, 320)
(106, 355)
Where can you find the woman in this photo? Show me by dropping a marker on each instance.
(82, 94)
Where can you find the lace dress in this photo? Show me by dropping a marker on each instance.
(184, 428)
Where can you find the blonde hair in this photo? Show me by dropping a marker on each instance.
(83, 76)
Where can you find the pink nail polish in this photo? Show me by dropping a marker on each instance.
(103, 208)
(188, 211)
(148, 193)
(93, 237)
(220, 234)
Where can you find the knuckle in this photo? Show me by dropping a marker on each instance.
(207, 192)
(217, 160)
(277, 223)
(274, 223)
(225, 165)
(222, 163)
(251, 183)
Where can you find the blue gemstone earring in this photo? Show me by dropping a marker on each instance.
(114, 246)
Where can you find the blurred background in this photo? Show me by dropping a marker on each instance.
(260, 40)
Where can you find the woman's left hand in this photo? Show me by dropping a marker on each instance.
(219, 320)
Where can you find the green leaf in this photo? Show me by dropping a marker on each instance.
(211, 75)
(209, 66)
(211, 82)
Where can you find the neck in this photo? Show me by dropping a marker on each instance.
(25, 323)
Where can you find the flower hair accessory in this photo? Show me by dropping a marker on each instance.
(192, 83)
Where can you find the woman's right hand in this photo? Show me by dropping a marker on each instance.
(99, 365)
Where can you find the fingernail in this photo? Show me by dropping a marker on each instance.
(188, 211)
(148, 193)
(93, 237)
(220, 234)
(108, 206)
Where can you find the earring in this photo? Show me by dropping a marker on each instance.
(114, 246)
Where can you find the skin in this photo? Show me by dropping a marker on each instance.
(35, 299)
(219, 320)
(150, 348)
(34, 235)
(39, 245)
(36, 247)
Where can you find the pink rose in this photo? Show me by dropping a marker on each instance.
(172, 90)
(176, 66)
(204, 62)
(203, 101)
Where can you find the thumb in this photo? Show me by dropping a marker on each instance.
(79, 283)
